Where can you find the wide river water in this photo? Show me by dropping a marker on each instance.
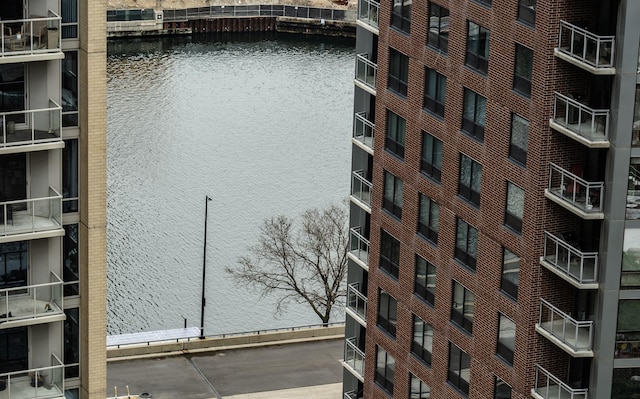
(259, 123)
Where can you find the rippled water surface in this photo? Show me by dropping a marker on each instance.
(259, 123)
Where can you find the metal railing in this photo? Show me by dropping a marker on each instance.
(267, 10)
(592, 124)
(40, 382)
(31, 215)
(359, 244)
(584, 195)
(578, 335)
(549, 386)
(32, 301)
(356, 300)
(41, 126)
(30, 36)
(361, 187)
(363, 129)
(353, 356)
(581, 267)
(350, 395)
(366, 70)
(368, 11)
(584, 46)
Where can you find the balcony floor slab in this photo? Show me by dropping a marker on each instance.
(569, 273)
(20, 388)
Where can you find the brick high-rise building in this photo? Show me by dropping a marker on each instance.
(495, 200)
(52, 199)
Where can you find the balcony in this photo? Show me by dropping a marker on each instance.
(31, 218)
(575, 194)
(32, 39)
(573, 336)
(363, 130)
(359, 250)
(361, 188)
(33, 304)
(350, 395)
(585, 50)
(37, 383)
(590, 127)
(366, 72)
(357, 301)
(354, 358)
(547, 386)
(368, 11)
(37, 127)
(578, 268)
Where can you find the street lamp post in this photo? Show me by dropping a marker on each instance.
(204, 265)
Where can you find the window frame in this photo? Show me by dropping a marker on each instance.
(392, 194)
(425, 287)
(504, 348)
(428, 226)
(498, 393)
(396, 134)
(527, 12)
(422, 340)
(401, 20)
(387, 319)
(389, 254)
(431, 156)
(455, 370)
(507, 284)
(385, 378)
(71, 267)
(519, 139)
(477, 50)
(418, 389)
(523, 72)
(470, 184)
(514, 207)
(398, 75)
(435, 37)
(474, 127)
(70, 176)
(469, 254)
(9, 253)
(70, 82)
(69, 12)
(462, 307)
(435, 92)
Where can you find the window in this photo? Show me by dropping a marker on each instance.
(422, 344)
(387, 312)
(14, 350)
(477, 48)
(438, 27)
(527, 11)
(633, 190)
(519, 139)
(431, 157)
(69, 14)
(70, 89)
(470, 177)
(419, 390)
(466, 244)
(506, 338)
(459, 368)
(385, 370)
(515, 207)
(70, 253)
(392, 200)
(12, 91)
(396, 130)
(428, 219)
(473, 114)
(630, 277)
(501, 390)
(71, 343)
(425, 280)
(401, 15)
(486, 2)
(70, 176)
(435, 90)
(510, 273)
(628, 330)
(14, 262)
(523, 70)
(389, 254)
(462, 307)
(635, 129)
(398, 72)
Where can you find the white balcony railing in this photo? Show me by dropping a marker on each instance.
(368, 11)
(359, 245)
(350, 395)
(353, 356)
(590, 125)
(356, 300)
(40, 126)
(361, 187)
(32, 301)
(31, 36)
(366, 70)
(363, 129)
(36, 383)
(31, 215)
(586, 47)
(547, 386)
(574, 336)
(580, 267)
(584, 196)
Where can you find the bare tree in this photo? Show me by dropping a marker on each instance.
(301, 261)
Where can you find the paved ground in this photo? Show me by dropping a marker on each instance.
(254, 373)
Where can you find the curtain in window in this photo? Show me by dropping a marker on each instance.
(69, 14)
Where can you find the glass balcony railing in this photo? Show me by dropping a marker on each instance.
(582, 196)
(585, 47)
(32, 126)
(591, 126)
(354, 356)
(361, 187)
(366, 70)
(574, 335)
(581, 268)
(350, 395)
(33, 301)
(547, 386)
(31, 215)
(36, 383)
(31, 36)
(363, 129)
(368, 11)
(356, 300)
(359, 245)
